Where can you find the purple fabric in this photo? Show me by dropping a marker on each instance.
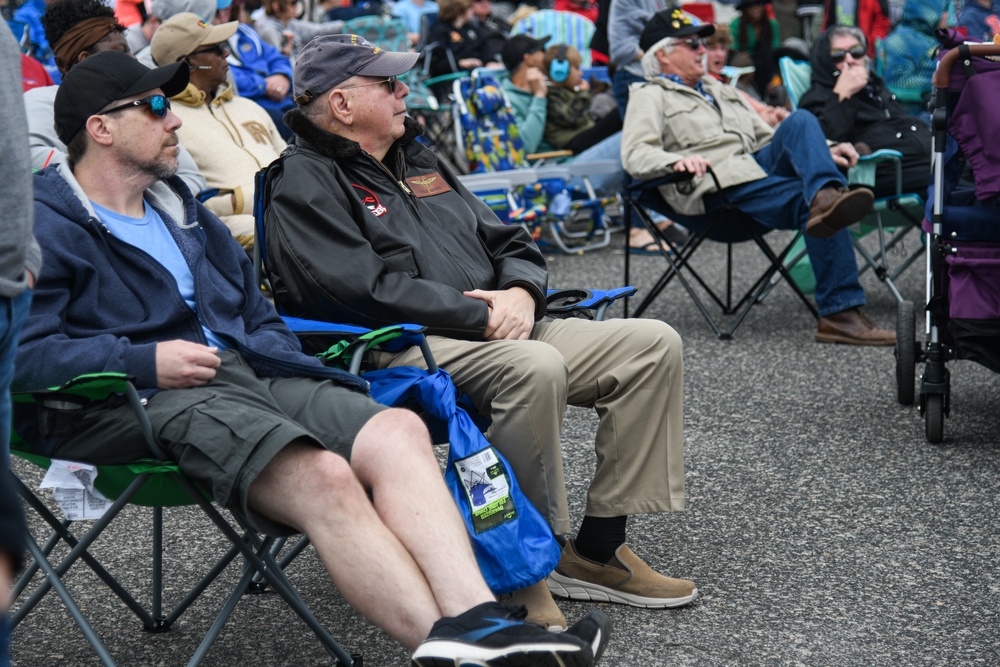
(973, 124)
(974, 282)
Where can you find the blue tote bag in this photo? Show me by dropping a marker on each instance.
(514, 545)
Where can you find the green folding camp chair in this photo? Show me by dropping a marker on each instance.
(157, 483)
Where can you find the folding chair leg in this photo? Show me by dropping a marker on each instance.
(74, 610)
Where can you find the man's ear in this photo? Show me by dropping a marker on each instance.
(83, 55)
(98, 129)
(340, 107)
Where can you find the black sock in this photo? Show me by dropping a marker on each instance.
(599, 537)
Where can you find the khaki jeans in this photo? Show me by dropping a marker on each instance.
(630, 371)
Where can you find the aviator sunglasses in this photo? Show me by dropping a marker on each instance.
(158, 104)
(838, 55)
(390, 82)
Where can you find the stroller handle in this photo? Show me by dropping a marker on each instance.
(942, 76)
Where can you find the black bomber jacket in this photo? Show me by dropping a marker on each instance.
(353, 240)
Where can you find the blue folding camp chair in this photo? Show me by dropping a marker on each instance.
(559, 216)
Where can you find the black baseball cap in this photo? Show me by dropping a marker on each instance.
(329, 60)
(518, 46)
(105, 77)
(671, 22)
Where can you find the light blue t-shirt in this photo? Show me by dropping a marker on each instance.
(149, 233)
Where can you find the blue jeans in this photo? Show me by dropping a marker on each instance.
(799, 165)
(619, 88)
(607, 149)
(13, 313)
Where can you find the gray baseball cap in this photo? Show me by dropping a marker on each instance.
(329, 60)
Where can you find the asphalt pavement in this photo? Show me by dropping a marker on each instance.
(821, 528)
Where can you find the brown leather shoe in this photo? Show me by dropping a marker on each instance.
(852, 327)
(834, 209)
(624, 579)
(542, 609)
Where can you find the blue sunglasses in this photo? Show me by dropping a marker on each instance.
(158, 104)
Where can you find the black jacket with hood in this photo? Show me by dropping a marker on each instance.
(873, 116)
(353, 240)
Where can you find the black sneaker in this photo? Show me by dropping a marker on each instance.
(595, 629)
(493, 635)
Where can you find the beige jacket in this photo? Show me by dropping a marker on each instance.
(230, 138)
(667, 121)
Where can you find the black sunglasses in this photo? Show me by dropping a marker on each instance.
(390, 82)
(692, 43)
(158, 104)
(857, 52)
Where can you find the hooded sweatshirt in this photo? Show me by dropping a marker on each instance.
(873, 116)
(231, 138)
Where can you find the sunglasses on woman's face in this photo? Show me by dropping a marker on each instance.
(158, 104)
(839, 55)
(390, 82)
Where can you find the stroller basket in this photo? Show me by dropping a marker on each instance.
(972, 276)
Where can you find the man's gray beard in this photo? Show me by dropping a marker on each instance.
(161, 168)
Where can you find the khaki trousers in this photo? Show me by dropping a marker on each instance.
(630, 371)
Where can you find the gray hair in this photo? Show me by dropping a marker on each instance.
(849, 31)
(650, 64)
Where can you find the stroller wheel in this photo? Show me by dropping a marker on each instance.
(934, 416)
(906, 352)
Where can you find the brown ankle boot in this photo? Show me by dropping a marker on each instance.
(834, 209)
(852, 327)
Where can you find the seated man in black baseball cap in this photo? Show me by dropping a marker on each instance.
(141, 279)
(682, 120)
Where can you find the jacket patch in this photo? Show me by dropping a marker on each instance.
(370, 199)
(428, 184)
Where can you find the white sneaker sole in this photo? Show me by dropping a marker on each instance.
(575, 589)
(461, 654)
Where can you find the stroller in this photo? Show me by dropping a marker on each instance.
(963, 223)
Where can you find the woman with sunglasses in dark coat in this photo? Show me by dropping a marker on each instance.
(854, 105)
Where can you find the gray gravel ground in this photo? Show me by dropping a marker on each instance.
(822, 529)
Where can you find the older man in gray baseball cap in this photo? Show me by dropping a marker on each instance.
(328, 61)
(365, 224)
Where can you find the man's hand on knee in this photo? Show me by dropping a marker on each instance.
(512, 313)
(181, 364)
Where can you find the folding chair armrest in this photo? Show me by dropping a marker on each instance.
(566, 301)
(864, 172)
(358, 340)
(548, 155)
(654, 183)
(91, 387)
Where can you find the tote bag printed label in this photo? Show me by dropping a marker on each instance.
(488, 491)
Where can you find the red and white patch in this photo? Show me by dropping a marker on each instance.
(370, 200)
